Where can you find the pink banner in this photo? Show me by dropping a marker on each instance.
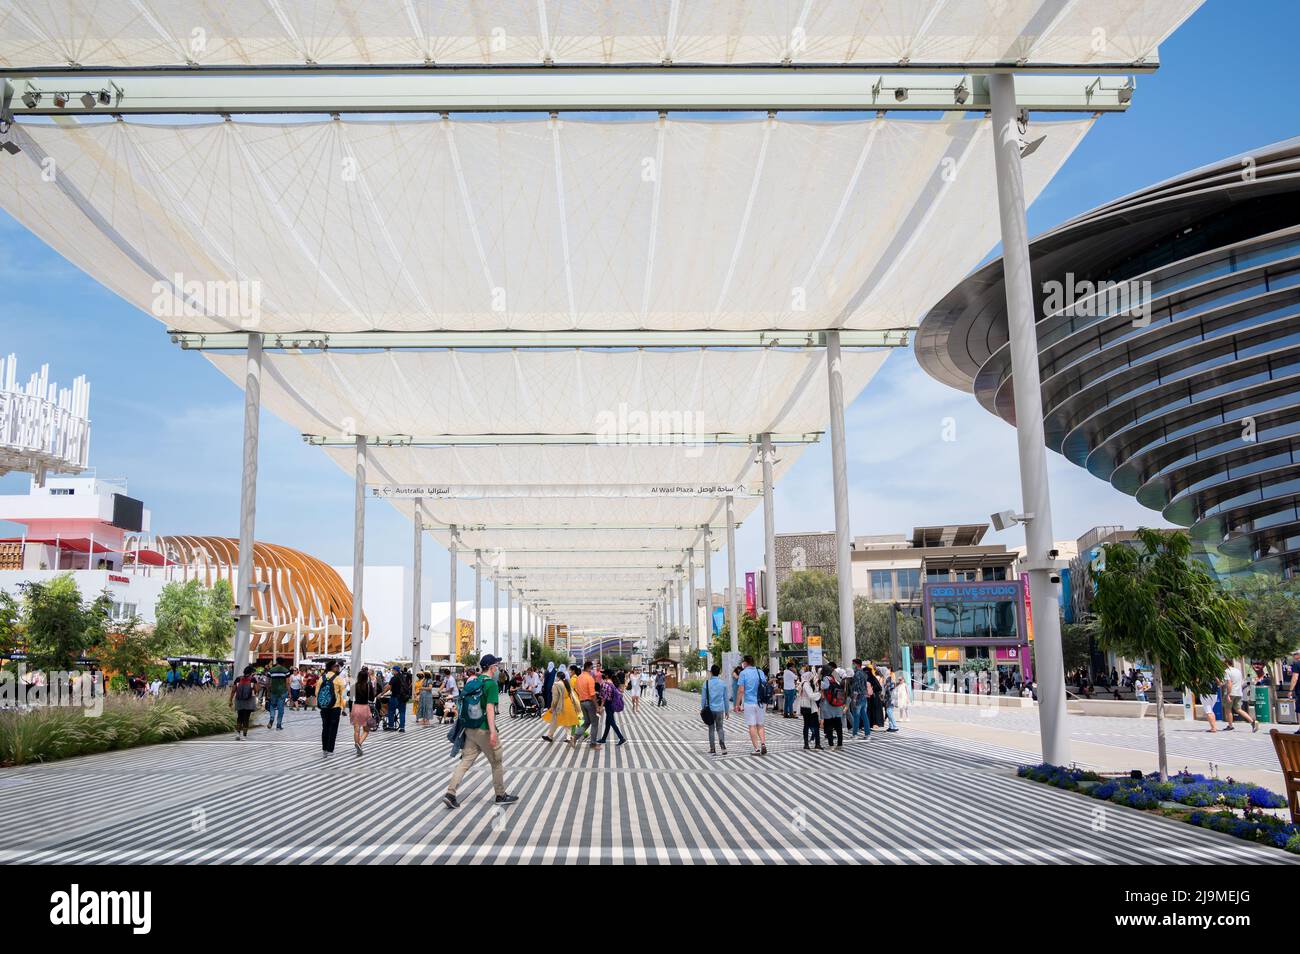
(796, 632)
(751, 595)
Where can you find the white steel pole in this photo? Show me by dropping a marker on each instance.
(358, 554)
(510, 639)
(733, 620)
(840, 484)
(247, 505)
(478, 600)
(708, 589)
(769, 551)
(417, 571)
(496, 623)
(693, 613)
(451, 584)
(1026, 386)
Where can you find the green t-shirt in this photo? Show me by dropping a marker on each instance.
(279, 685)
(491, 696)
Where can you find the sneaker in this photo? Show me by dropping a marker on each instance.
(756, 752)
(1227, 728)
(278, 728)
(891, 730)
(402, 729)
(547, 738)
(357, 746)
(507, 799)
(713, 751)
(620, 742)
(764, 752)
(450, 801)
(238, 737)
(724, 750)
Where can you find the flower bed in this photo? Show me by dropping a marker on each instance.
(42, 735)
(1240, 805)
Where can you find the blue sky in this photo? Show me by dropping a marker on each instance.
(170, 423)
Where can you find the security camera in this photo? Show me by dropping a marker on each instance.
(1055, 578)
(1053, 554)
(1003, 519)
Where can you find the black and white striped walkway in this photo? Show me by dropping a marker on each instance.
(910, 797)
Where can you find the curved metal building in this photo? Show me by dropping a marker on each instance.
(1169, 347)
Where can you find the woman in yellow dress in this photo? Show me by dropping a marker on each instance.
(564, 712)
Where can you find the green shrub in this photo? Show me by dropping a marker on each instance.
(691, 685)
(42, 735)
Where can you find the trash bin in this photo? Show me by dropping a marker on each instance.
(1286, 710)
(1264, 703)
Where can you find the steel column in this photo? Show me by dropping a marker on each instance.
(840, 483)
(733, 620)
(358, 554)
(769, 552)
(478, 601)
(1048, 668)
(247, 504)
(452, 550)
(417, 571)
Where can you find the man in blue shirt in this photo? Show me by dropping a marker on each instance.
(747, 702)
(713, 696)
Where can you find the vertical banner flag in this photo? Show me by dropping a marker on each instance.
(1029, 609)
(750, 595)
(796, 632)
(719, 619)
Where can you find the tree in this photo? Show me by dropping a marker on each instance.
(871, 626)
(1273, 617)
(194, 620)
(1154, 602)
(812, 597)
(541, 654)
(751, 640)
(11, 629)
(127, 648)
(59, 627)
(469, 658)
(1076, 644)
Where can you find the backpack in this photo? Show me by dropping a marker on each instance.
(471, 702)
(325, 695)
(244, 690)
(834, 693)
(614, 698)
(764, 695)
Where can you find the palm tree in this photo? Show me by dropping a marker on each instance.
(1154, 602)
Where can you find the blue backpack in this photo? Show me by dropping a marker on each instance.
(325, 694)
(471, 702)
(764, 691)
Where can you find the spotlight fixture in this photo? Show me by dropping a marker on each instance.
(1126, 93)
(31, 98)
(961, 93)
(88, 100)
(104, 98)
(900, 94)
(60, 100)
(10, 147)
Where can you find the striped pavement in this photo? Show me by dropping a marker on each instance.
(910, 797)
(1185, 740)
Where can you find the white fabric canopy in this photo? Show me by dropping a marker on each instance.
(618, 395)
(119, 33)
(533, 224)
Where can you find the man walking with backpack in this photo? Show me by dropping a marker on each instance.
(611, 699)
(753, 693)
(478, 717)
(399, 693)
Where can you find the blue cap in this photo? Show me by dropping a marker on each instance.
(488, 661)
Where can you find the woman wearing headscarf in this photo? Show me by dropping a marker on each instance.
(548, 684)
(809, 697)
(875, 705)
(563, 713)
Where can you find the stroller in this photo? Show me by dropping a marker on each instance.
(524, 704)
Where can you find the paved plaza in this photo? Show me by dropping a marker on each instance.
(921, 795)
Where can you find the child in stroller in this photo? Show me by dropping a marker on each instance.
(524, 704)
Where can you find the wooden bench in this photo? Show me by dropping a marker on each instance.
(1288, 754)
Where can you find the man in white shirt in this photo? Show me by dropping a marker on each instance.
(1233, 688)
(789, 686)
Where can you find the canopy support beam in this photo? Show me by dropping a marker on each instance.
(522, 340)
(1035, 495)
(488, 440)
(325, 91)
(733, 622)
(708, 592)
(452, 615)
